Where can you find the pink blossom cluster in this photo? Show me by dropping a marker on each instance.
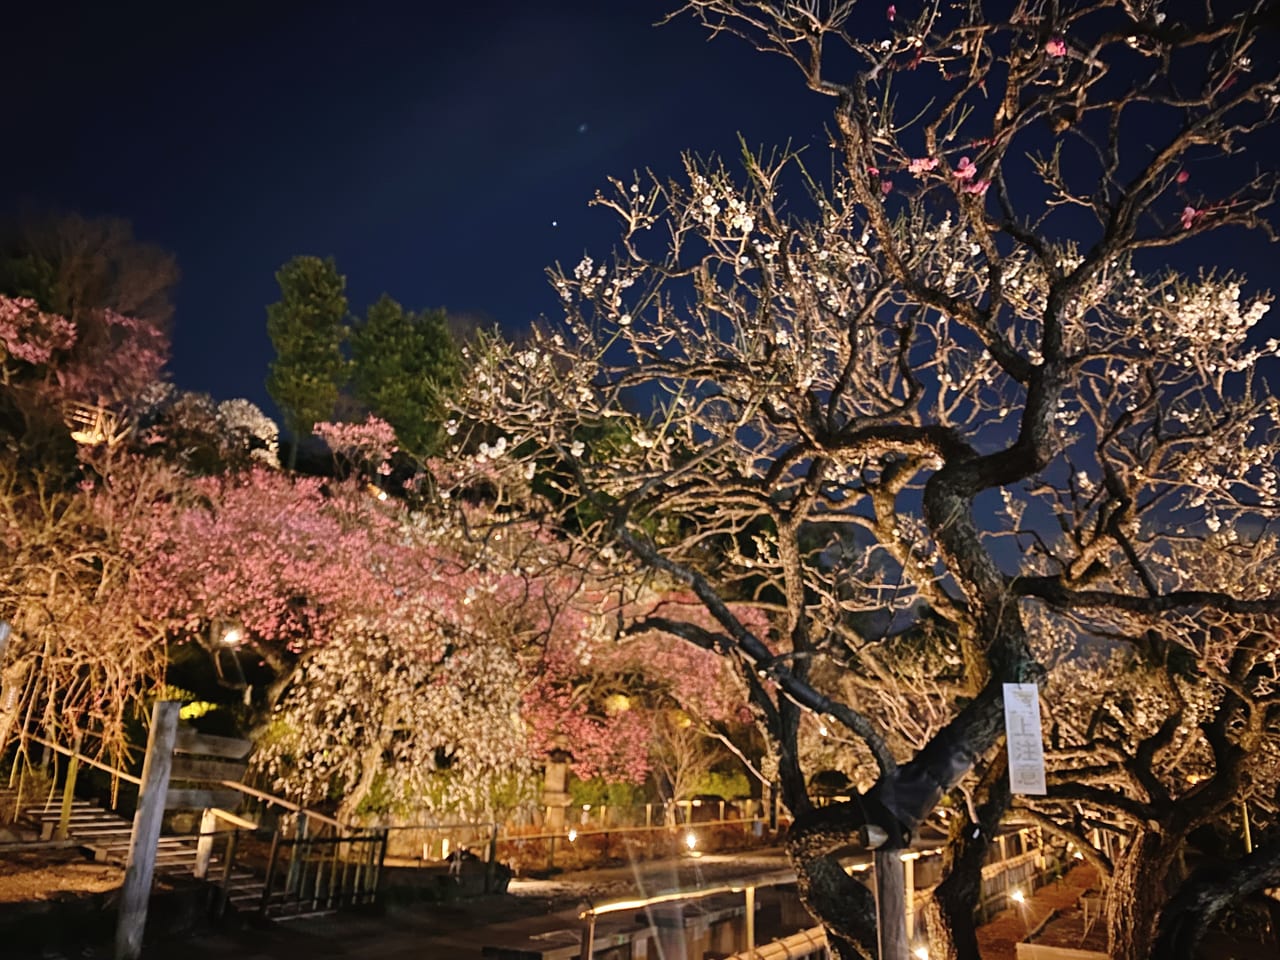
(659, 669)
(116, 358)
(285, 557)
(29, 334)
(372, 442)
(965, 172)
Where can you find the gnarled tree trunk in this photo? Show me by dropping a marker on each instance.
(953, 935)
(1137, 893)
(1204, 897)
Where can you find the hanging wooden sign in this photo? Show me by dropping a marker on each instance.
(1024, 738)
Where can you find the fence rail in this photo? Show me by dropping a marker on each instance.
(308, 874)
(535, 849)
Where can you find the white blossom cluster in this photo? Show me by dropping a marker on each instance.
(762, 346)
(261, 436)
(393, 725)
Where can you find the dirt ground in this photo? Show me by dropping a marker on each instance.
(45, 876)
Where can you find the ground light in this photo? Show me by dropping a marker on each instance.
(691, 840)
(922, 953)
(1018, 896)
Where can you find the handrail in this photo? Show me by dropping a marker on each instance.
(281, 802)
(83, 759)
(775, 879)
(232, 819)
(233, 784)
(579, 833)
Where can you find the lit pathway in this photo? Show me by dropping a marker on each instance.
(998, 938)
(462, 929)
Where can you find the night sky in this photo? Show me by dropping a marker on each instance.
(443, 153)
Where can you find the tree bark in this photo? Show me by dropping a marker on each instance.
(13, 679)
(1206, 895)
(953, 935)
(370, 766)
(846, 908)
(1136, 895)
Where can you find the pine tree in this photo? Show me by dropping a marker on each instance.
(307, 328)
(403, 365)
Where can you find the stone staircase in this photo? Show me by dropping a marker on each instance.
(104, 835)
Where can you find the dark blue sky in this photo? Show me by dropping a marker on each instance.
(427, 146)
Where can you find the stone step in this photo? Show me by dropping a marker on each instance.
(99, 831)
(53, 809)
(117, 848)
(56, 804)
(121, 852)
(111, 842)
(88, 831)
(84, 821)
(304, 914)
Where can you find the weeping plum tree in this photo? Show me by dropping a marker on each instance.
(82, 649)
(949, 416)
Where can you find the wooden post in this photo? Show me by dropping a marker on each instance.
(1004, 869)
(204, 846)
(491, 860)
(20, 757)
(297, 852)
(69, 790)
(224, 895)
(136, 891)
(265, 903)
(751, 922)
(891, 910)
(909, 884)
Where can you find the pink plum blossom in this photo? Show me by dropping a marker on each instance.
(31, 335)
(369, 444)
(1056, 47)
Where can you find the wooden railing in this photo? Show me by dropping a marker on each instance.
(311, 816)
(75, 759)
(80, 757)
(209, 832)
(306, 873)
